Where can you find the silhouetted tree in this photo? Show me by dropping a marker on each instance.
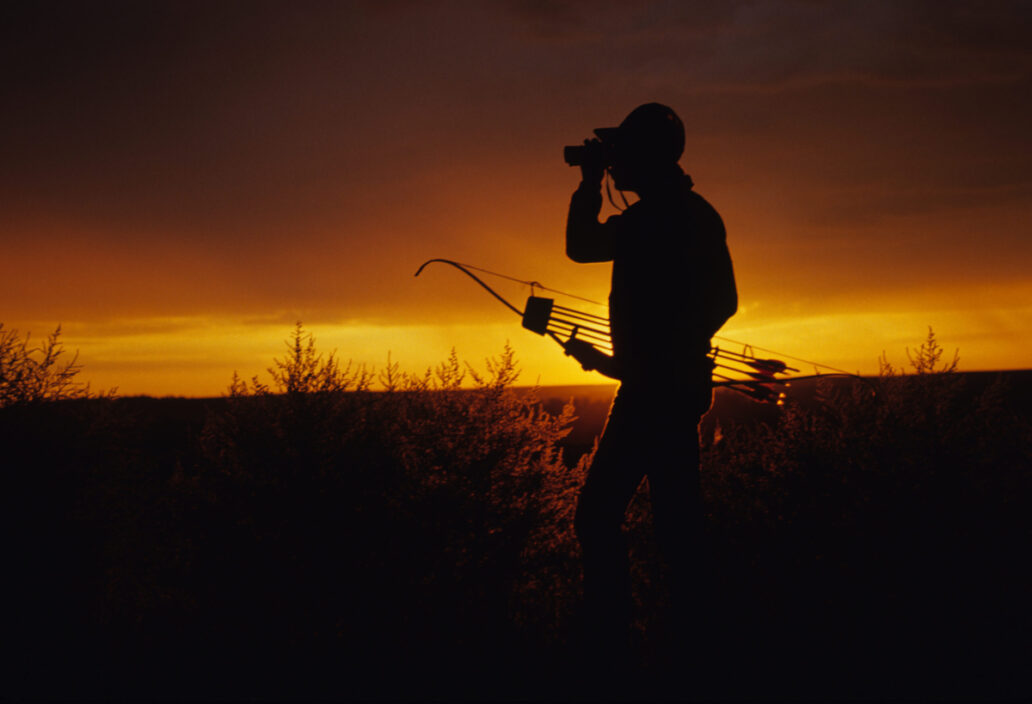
(878, 509)
(33, 374)
(427, 510)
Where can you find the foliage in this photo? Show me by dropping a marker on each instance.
(895, 495)
(447, 498)
(34, 374)
(313, 524)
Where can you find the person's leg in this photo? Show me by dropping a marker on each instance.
(677, 514)
(612, 480)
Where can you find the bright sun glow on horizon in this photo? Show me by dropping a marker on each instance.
(176, 204)
(197, 356)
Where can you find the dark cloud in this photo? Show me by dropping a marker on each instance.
(257, 157)
(771, 46)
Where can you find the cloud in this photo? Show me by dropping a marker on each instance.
(276, 161)
(772, 46)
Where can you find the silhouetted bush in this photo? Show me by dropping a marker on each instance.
(315, 532)
(882, 519)
(34, 374)
(425, 511)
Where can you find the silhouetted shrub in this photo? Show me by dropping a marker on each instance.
(426, 508)
(315, 525)
(33, 374)
(880, 513)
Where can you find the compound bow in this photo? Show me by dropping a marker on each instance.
(761, 379)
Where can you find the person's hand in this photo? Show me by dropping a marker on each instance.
(583, 352)
(592, 171)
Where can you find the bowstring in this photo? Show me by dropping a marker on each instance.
(533, 285)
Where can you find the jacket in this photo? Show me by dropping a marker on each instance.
(673, 283)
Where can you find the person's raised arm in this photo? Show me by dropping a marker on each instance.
(588, 240)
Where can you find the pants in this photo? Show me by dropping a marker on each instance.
(644, 436)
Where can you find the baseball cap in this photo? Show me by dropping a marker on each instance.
(653, 129)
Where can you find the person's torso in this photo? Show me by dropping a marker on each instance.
(662, 286)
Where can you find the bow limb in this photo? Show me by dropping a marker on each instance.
(476, 278)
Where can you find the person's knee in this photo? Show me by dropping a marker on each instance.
(594, 528)
(582, 523)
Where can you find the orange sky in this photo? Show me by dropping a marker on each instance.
(180, 182)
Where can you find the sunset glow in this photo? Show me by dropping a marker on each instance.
(179, 187)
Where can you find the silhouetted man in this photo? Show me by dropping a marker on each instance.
(672, 288)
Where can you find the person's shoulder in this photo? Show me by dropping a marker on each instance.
(693, 197)
(701, 208)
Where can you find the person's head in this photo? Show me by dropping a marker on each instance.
(646, 146)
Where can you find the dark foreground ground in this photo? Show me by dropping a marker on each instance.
(131, 574)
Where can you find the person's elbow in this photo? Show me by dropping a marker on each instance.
(577, 247)
(578, 254)
(730, 307)
(586, 245)
(722, 311)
